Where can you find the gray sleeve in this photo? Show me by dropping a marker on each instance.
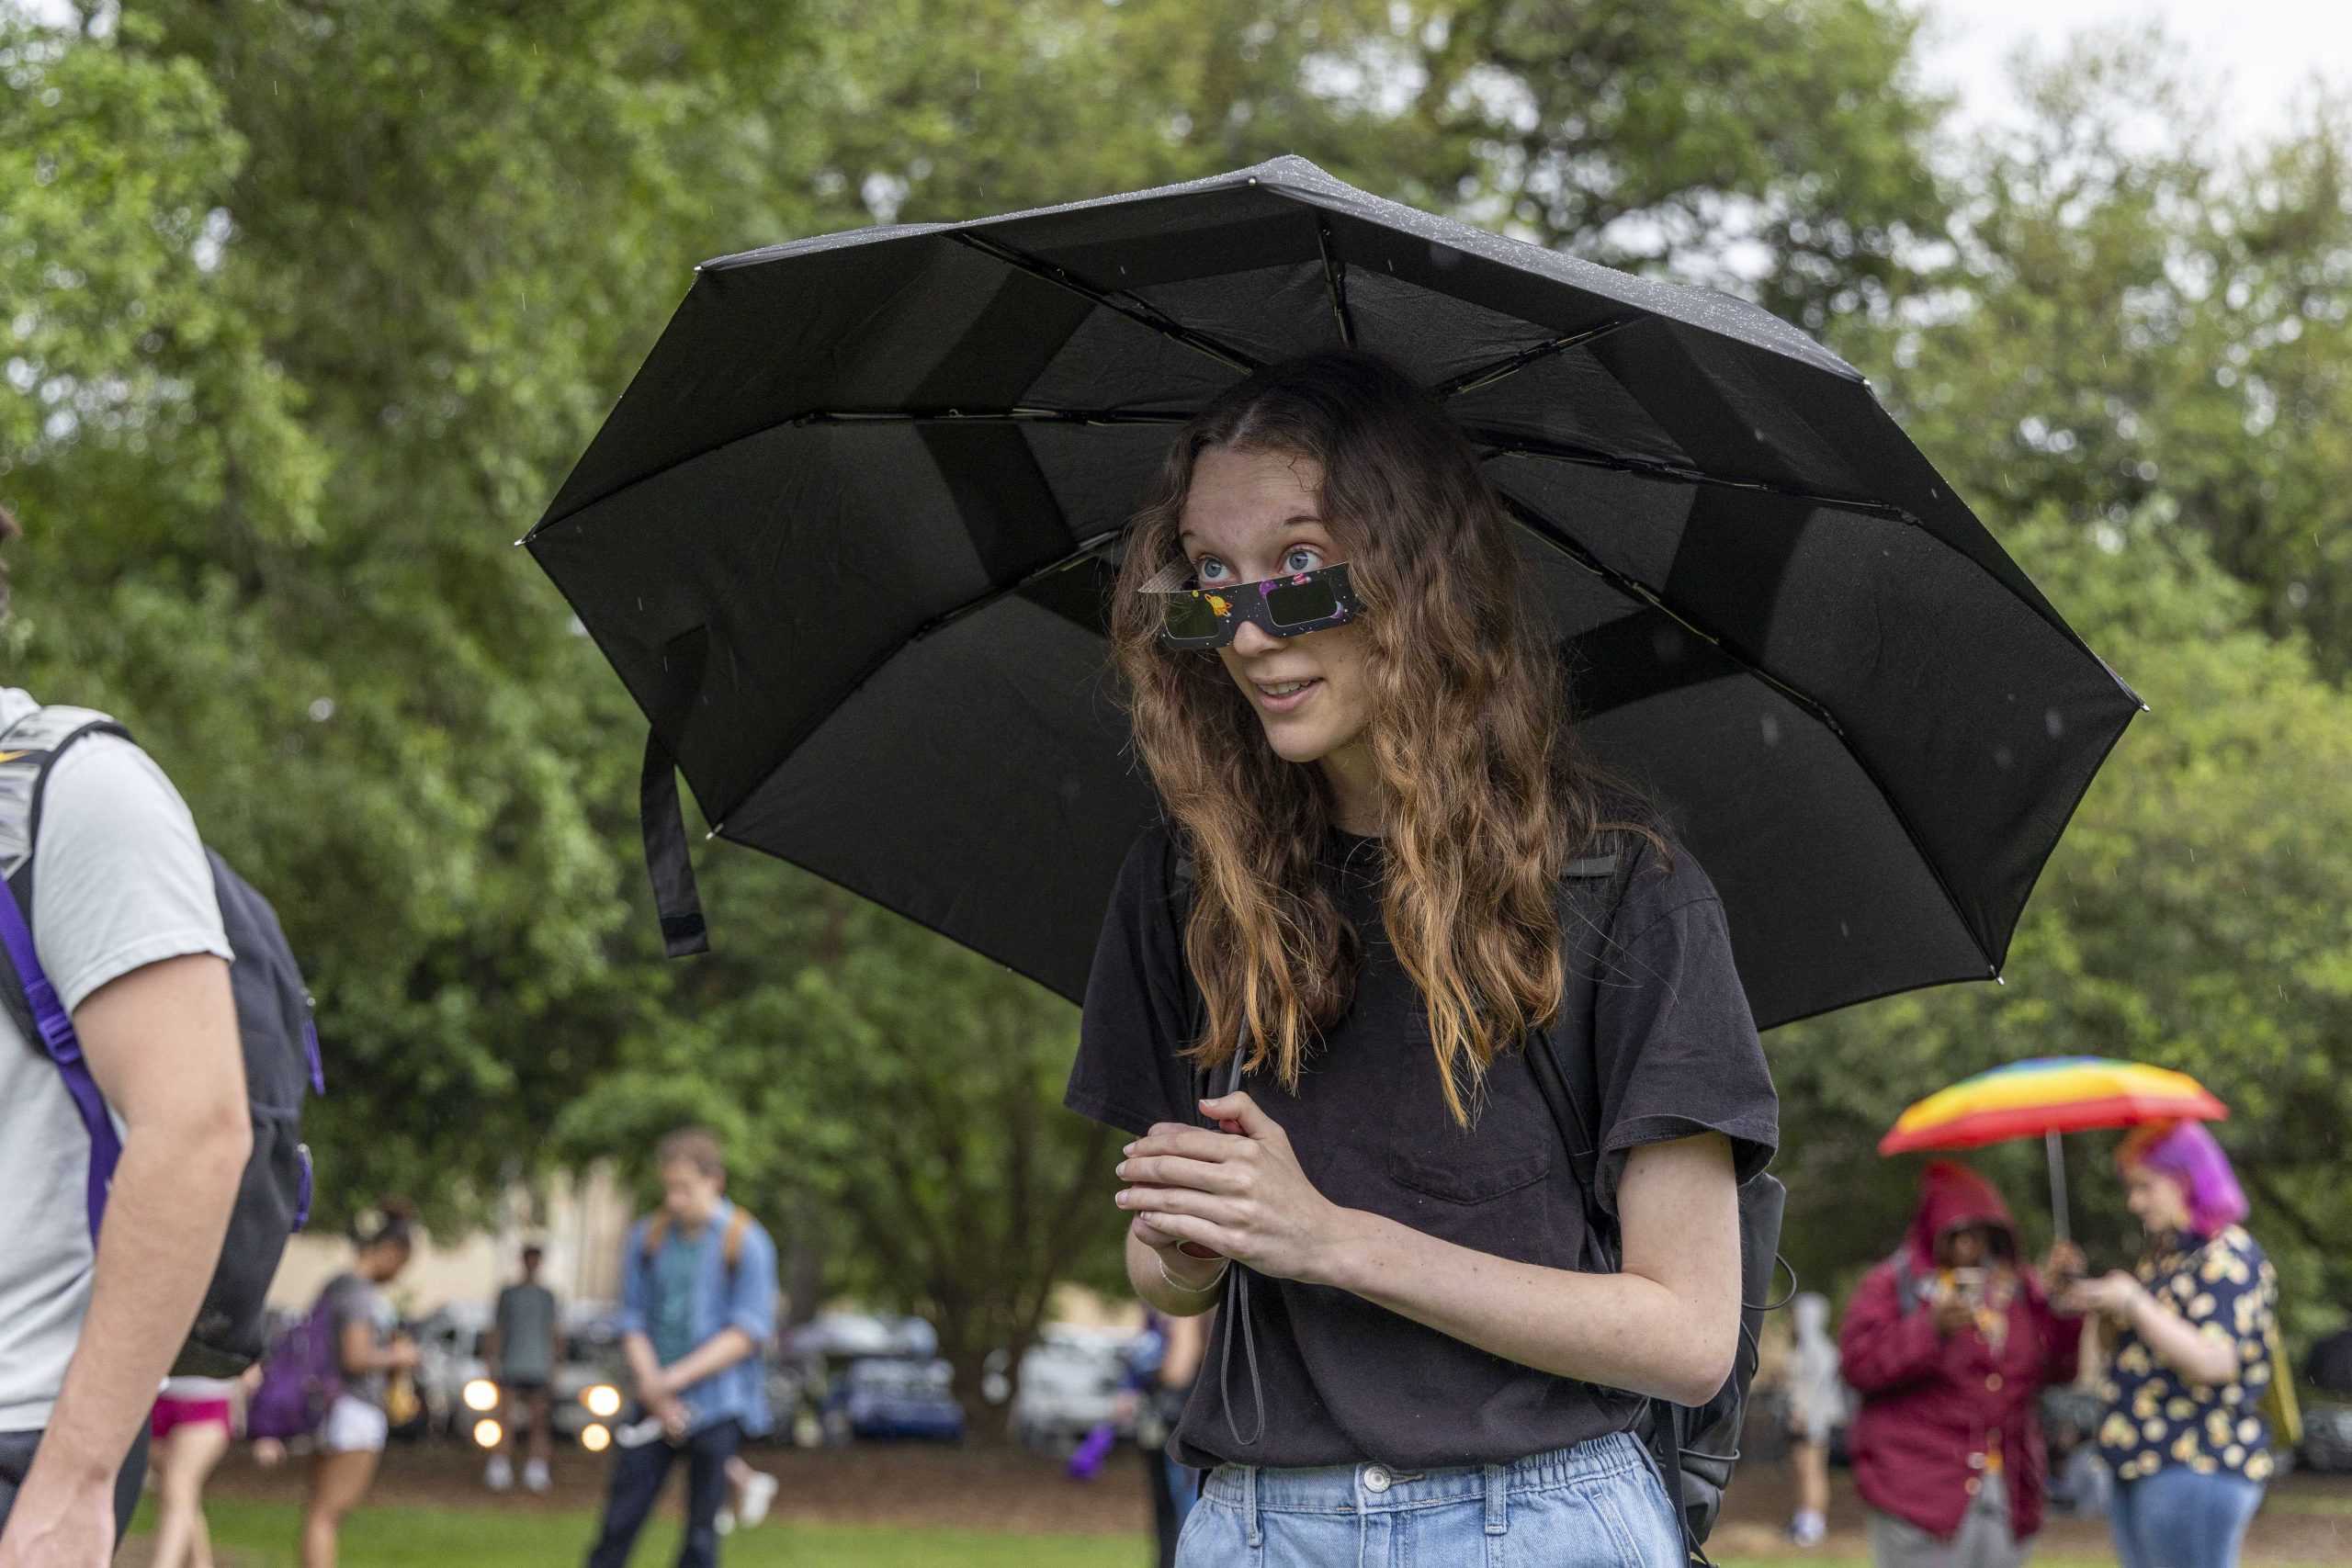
(119, 878)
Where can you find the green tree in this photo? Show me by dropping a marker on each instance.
(2132, 313)
(887, 1095)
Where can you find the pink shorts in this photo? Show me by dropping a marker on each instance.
(172, 1413)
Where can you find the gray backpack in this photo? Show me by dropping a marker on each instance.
(281, 1049)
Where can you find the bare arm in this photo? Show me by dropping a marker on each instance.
(1666, 1324)
(710, 1359)
(162, 1043)
(2207, 1356)
(643, 1370)
(1143, 1265)
(361, 1354)
(1188, 1343)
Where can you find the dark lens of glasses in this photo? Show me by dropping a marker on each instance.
(1295, 604)
(1189, 616)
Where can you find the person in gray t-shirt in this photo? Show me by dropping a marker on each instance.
(525, 1348)
(125, 924)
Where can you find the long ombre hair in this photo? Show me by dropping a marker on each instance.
(1487, 800)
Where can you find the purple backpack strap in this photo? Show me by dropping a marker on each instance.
(49, 1019)
(55, 1026)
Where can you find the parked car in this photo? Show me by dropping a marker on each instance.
(591, 1385)
(448, 1343)
(2327, 1436)
(883, 1397)
(1070, 1385)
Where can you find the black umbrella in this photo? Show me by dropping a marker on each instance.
(849, 534)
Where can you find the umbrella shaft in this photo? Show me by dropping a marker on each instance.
(2058, 1184)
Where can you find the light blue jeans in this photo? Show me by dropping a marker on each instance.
(2177, 1519)
(1599, 1503)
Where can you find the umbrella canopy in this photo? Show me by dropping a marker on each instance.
(848, 535)
(2046, 1094)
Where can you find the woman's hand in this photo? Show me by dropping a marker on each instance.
(2116, 1294)
(1240, 1192)
(2065, 1266)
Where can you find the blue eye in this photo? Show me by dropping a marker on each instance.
(1208, 569)
(1301, 557)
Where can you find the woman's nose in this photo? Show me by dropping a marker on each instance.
(1252, 638)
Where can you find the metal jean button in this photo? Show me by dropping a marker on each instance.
(1375, 1479)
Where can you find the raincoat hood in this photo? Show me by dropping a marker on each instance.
(1951, 1195)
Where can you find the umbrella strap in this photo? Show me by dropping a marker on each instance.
(665, 822)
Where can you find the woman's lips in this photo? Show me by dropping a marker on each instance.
(1289, 699)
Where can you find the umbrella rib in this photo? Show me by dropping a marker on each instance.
(1141, 312)
(1501, 446)
(1020, 414)
(1634, 588)
(1091, 545)
(1335, 277)
(1512, 363)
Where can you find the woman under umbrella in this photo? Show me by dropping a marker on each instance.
(1355, 726)
(2184, 1433)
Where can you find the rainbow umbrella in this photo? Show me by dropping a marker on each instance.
(2048, 1096)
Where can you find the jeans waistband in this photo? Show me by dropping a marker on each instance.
(1381, 1488)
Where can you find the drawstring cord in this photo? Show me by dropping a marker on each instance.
(1236, 1306)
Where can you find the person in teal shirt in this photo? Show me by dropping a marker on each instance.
(698, 1307)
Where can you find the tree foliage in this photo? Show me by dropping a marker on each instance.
(309, 307)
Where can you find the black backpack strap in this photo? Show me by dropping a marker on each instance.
(1592, 886)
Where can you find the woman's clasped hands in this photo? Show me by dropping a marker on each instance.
(1238, 1193)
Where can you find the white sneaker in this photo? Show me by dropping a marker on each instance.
(758, 1493)
(535, 1476)
(500, 1476)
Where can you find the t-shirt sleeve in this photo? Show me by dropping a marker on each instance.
(1130, 1072)
(119, 878)
(1676, 1045)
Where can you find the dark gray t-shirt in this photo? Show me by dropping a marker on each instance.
(525, 1334)
(350, 1299)
(1345, 1382)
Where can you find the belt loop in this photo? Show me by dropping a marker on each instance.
(1499, 1499)
(1249, 1506)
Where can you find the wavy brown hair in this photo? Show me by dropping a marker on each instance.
(1486, 796)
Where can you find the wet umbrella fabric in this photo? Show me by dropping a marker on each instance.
(848, 538)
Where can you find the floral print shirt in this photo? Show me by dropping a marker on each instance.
(2226, 1289)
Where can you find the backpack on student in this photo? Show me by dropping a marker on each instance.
(280, 1042)
(730, 1240)
(1696, 1448)
(300, 1377)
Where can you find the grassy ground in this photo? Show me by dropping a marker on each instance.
(260, 1535)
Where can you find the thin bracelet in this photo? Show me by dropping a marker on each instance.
(1175, 1284)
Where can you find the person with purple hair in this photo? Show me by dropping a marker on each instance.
(2184, 1433)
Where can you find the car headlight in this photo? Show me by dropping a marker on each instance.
(488, 1432)
(603, 1400)
(481, 1394)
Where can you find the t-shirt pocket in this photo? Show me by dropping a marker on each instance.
(1493, 1205)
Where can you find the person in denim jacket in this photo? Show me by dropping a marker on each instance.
(699, 1303)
